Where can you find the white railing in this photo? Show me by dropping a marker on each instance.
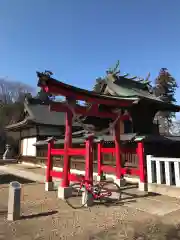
(162, 170)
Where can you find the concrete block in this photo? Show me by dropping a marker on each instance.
(120, 182)
(101, 178)
(87, 198)
(64, 192)
(143, 186)
(14, 201)
(49, 186)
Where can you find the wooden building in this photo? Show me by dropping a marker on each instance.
(37, 124)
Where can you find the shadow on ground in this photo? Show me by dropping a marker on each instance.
(141, 231)
(130, 194)
(35, 167)
(43, 214)
(7, 178)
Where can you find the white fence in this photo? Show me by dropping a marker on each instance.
(163, 170)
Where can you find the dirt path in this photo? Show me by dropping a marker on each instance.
(46, 217)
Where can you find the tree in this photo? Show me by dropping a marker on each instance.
(12, 91)
(175, 128)
(12, 95)
(44, 97)
(165, 88)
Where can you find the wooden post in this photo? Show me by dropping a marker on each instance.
(87, 196)
(150, 166)
(89, 160)
(142, 174)
(177, 173)
(99, 160)
(67, 145)
(117, 150)
(168, 173)
(49, 166)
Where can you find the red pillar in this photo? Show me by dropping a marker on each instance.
(99, 158)
(89, 160)
(117, 149)
(141, 158)
(49, 163)
(67, 145)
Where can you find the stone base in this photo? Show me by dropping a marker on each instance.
(100, 178)
(87, 198)
(163, 189)
(49, 186)
(143, 187)
(120, 182)
(64, 192)
(13, 217)
(8, 161)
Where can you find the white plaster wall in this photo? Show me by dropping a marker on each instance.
(28, 148)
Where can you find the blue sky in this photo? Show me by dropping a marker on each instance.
(79, 39)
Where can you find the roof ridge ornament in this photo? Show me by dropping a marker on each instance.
(114, 71)
(48, 73)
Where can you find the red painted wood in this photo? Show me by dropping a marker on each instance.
(89, 160)
(129, 171)
(75, 177)
(86, 96)
(108, 150)
(117, 150)
(99, 158)
(77, 151)
(61, 107)
(108, 169)
(49, 163)
(57, 151)
(67, 145)
(71, 151)
(56, 174)
(123, 150)
(141, 157)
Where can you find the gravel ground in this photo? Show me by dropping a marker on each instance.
(46, 217)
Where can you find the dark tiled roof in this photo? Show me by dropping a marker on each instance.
(40, 113)
(130, 88)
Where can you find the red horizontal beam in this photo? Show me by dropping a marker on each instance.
(84, 95)
(108, 150)
(123, 150)
(61, 107)
(77, 151)
(57, 151)
(71, 151)
(130, 171)
(107, 169)
(56, 174)
(75, 178)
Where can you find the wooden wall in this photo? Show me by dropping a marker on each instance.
(78, 162)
